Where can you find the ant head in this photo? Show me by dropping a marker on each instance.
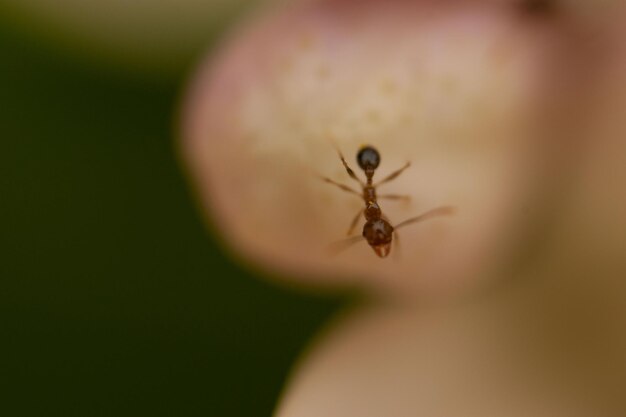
(368, 158)
(372, 211)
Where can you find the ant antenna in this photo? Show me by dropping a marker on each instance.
(349, 170)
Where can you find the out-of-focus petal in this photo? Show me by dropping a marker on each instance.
(454, 88)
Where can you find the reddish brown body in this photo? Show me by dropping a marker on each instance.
(377, 231)
(369, 193)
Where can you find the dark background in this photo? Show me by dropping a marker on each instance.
(115, 300)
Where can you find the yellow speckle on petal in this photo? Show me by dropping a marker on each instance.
(373, 116)
(449, 84)
(388, 87)
(323, 72)
(286, 66)
(306, 42)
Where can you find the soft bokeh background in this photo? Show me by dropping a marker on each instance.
(114, 300)
(117, 301)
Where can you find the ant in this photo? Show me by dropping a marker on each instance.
(377, 231)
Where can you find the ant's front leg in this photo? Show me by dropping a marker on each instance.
(341, 186)
(393, 175)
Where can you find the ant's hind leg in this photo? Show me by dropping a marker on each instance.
(355, 222)
(337, 247)
(397, 252)
(393, 175)
(439, 211)
(403, 197)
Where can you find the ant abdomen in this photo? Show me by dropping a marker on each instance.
(379, 234)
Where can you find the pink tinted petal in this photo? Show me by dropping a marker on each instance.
(481, 360)
(550, 344)
(452, 87)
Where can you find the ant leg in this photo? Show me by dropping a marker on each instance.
(393, 175)
(397, 253)
(439, 211)
(343, 187)
(336, 247)
(355, 221)
(395, 197)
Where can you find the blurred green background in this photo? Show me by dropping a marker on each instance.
(114, 299)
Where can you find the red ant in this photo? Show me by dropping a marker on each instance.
(377, 230)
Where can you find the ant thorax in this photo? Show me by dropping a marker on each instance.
(369, 193)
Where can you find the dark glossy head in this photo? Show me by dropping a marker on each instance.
(379, 234)
(368, 158)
